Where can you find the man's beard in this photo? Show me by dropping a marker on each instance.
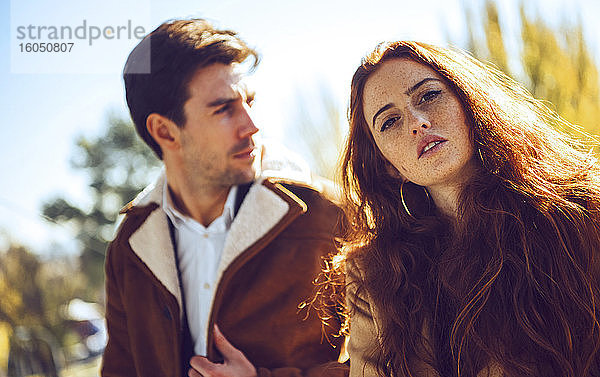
(206, 170)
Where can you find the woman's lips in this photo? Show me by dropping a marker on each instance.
(429, 144)
(431, 148)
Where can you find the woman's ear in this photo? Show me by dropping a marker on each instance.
(164, 131)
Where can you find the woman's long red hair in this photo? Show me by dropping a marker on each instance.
(516, 283)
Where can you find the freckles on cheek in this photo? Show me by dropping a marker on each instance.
(395, 152)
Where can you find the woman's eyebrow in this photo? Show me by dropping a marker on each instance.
(384, 108)
(417, 85)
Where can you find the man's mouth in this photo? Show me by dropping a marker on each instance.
(246, 153)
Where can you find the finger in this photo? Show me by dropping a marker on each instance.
(202, 366)
(193, 373)
(227, 349)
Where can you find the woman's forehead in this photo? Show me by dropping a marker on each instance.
(399, 71)
(392, 78)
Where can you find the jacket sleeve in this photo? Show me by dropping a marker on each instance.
(117, 360)
(363, 338)
(364, 334)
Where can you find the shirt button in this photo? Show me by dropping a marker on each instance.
(206, 286)
(205, 235)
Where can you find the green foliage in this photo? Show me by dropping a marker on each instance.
(20, 292)
(118, 165)
(33, 291)
(556, 65)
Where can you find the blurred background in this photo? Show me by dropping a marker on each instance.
(70, 158)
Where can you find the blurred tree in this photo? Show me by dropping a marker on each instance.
(118, 165)
(317, 132)
(33, 292)
(555, 64)
(21, 294)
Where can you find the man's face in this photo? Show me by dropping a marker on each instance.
(216, 140)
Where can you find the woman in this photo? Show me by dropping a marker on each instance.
(474, 245)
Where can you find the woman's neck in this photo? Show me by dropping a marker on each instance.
(446, 194)
(446, 199)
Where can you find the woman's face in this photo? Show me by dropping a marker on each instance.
(418, 123)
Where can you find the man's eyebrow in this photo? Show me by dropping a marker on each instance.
(222, 101)
(384, 108)
(417, 85)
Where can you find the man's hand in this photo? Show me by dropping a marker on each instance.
(236, 364)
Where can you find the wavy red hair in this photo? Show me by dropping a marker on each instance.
(514, 284)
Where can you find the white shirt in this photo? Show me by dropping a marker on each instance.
(199, 252)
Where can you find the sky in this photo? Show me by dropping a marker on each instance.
(50, 99)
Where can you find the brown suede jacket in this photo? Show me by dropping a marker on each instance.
(272, 254)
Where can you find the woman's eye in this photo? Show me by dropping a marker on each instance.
(430, 95)
(388, 123)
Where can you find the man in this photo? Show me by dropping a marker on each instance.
(209, 266)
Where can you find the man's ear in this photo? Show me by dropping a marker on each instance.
(164, 131)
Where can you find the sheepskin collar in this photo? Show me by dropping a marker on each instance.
(266, 204)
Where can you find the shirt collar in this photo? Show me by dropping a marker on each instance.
(178, 218)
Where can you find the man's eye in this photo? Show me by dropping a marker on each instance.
(223, 109)
(388, 123)
(430, 95)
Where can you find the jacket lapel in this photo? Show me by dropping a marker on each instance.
(151, 242)
(260, 211)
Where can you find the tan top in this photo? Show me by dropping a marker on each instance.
(365, 334)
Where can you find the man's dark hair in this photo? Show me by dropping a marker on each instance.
(160, 67)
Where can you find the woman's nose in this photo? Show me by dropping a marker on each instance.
(419, 123)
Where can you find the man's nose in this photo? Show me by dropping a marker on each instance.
(247, 126)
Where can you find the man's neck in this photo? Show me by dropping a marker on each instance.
(203, 203)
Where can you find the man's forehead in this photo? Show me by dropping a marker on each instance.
(216, 81)
(228, 90)
(238, 72)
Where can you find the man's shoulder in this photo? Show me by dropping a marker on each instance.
(323, 216)
(316, 191)
(131, 218)
(134, 213)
